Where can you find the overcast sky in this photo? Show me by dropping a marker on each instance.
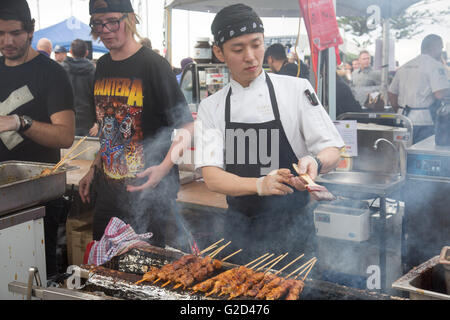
(187, 26)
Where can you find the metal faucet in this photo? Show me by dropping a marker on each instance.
(397, 152)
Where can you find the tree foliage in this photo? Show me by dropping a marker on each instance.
(404, 26)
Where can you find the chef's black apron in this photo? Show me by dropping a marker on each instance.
(256, 224)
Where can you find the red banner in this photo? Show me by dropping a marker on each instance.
(322, 27)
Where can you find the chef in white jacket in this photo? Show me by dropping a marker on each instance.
(250, 133)
(419, 86)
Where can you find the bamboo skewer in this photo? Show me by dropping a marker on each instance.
(256, 259)
(309, 269)
(268, 257)
(289, 263)
(214, 253)
(300, 268)
(211, 246)
(165, 284)
(272, 262)
(273, 265)
(68, 154)
(227, 257)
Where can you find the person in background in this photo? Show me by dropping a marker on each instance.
(138, 104)
(81, 75)
(184, 62)
(355, 64)
(146, 42)
(365, 76)
(365, 80)
(236, 126)
(277, 60)
(419, 87)
(44, 46)
(348, 69)
(36, 109)
(60, 54)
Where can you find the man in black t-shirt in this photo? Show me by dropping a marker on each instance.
(138, 105)
(275, 56)
(36, 105)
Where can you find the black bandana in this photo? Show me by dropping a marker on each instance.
(234, 21)
(15, 10)
(105, 6)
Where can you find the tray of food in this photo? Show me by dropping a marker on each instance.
(25, 184)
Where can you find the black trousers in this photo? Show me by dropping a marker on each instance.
(55, 213)
(145, 211)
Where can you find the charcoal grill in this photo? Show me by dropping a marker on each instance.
(116, 280)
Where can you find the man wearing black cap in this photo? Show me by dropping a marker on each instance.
(277, 60)
(36, 104)
(138, 104)
(250, 133)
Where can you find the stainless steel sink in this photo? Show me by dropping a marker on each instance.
(353, 184)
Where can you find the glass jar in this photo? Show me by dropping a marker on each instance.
(202, 51)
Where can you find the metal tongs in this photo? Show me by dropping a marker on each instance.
(318, 192)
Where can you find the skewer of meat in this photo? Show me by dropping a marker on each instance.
(189, 268)
(170, 268)
(253, 292)
(255, 278)
(149, 276)
(239, 277)
(268, 287)
(295, 290)
(207, 266)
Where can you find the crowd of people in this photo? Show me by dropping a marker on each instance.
(131, 99)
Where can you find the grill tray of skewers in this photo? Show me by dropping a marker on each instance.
(142, 274)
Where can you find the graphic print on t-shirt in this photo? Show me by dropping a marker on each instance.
(118, 104)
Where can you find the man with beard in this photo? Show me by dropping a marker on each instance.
(134, 177)
(36, 106)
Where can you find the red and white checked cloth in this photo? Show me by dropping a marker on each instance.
(117, 239)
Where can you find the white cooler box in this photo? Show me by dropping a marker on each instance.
(342, 222)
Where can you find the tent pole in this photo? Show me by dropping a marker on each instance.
(168, 34)
(332, 78)
(385, 60)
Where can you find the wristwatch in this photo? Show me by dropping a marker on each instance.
(319, 165)
(25, 123)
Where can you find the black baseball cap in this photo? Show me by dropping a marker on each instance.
(105, 6)
(15, 10)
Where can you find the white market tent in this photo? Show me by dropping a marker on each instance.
(291, 8)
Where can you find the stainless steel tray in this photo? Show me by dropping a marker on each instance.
(418, 281)
(21, 185)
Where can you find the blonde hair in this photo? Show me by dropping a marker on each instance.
(130, 21)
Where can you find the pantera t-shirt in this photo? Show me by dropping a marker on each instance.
(38, 89)
(138, 104)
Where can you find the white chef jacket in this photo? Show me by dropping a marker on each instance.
(308, 128)
(415, 82)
